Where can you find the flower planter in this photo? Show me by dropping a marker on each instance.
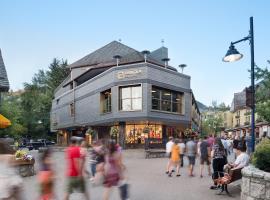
(25, 168)
(255, 184)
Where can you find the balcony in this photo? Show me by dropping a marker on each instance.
(237, 125)
(237, 116)
(247, 123)
(247, 113)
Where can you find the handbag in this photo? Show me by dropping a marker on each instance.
(124, 191)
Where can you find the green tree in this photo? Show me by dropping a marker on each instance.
(263, 92)
(11, 109)
(37, 97)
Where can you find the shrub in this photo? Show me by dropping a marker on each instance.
(261, 156)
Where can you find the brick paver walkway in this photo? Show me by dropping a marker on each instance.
(147, 182)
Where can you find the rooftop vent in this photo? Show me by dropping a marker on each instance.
(182, 66)
(117, 57)
(166, 61)
(145, 54)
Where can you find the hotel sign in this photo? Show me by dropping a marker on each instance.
(129, 73)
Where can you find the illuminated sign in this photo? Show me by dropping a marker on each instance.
(129, 73)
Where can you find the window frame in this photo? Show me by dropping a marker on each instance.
(160, 100)
(103, 103)
(120, 100)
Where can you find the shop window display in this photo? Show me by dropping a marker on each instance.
(135, 134)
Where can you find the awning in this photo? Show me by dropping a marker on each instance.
(4, 122)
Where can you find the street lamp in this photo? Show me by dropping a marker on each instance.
(233, 55)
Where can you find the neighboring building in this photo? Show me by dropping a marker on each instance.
(4, 84)
(241, 117)
(118, 88)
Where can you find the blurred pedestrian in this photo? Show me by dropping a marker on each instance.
(182, 151)
(112, 169)
(168, 152)
(175, 159)
(10, 183)
(219, 160)
(191, 151)
(93, 159)
(75, 164)
(204, 156)
(46, 176)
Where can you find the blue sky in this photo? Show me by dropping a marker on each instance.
(197, 33)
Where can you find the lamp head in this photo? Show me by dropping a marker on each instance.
(232, 55)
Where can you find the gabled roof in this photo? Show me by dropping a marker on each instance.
(106, 53)
(4, 84)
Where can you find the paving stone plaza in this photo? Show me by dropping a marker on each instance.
(147, 179)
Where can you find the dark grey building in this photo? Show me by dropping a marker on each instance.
(120, 92)
(4, 84)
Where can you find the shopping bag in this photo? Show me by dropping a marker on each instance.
(124, 191)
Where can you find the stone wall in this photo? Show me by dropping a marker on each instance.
(255, 184)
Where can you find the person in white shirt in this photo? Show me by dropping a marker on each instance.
(168, 152)
(242, 159)
(182, 146)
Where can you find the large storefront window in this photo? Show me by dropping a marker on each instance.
(136, 134)
(130, 98)
(166, 100)
(106, 101)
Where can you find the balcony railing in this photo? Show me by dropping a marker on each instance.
(247, 123)
(237, 116)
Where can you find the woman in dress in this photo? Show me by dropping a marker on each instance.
(219, 160)
(46, 176)
(175, 159)
(112, 169)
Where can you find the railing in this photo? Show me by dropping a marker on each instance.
(247, 123)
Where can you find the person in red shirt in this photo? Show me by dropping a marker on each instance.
(75, 168)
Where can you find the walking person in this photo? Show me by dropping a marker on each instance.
(93, 160)
(175, 159)
(182, 147)
(112, 169)
(219, 160)
(168, 152)
(191, 150)
(46, 176)
(75, 170)
(204, 156)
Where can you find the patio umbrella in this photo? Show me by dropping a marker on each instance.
(4, 122)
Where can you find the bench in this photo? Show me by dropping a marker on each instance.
(155, 153)
(224, 179)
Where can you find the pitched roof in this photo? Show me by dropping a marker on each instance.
(4, 84)
(106, 53)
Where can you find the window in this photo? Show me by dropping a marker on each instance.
(72, 109)
(130, 98)
(106, 101)
(166, 100)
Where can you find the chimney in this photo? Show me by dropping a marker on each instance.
(145, 54)
(117, 57)
(166, 60)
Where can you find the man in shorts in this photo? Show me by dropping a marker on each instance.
(204, 156)
(168, 152)
(75, 164)
(191, 150)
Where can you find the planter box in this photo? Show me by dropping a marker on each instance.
(255, 184)
(25, 168)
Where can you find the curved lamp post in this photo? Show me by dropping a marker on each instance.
(233, 55)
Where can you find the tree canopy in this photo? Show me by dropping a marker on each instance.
(263, 92)
(29, 111)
